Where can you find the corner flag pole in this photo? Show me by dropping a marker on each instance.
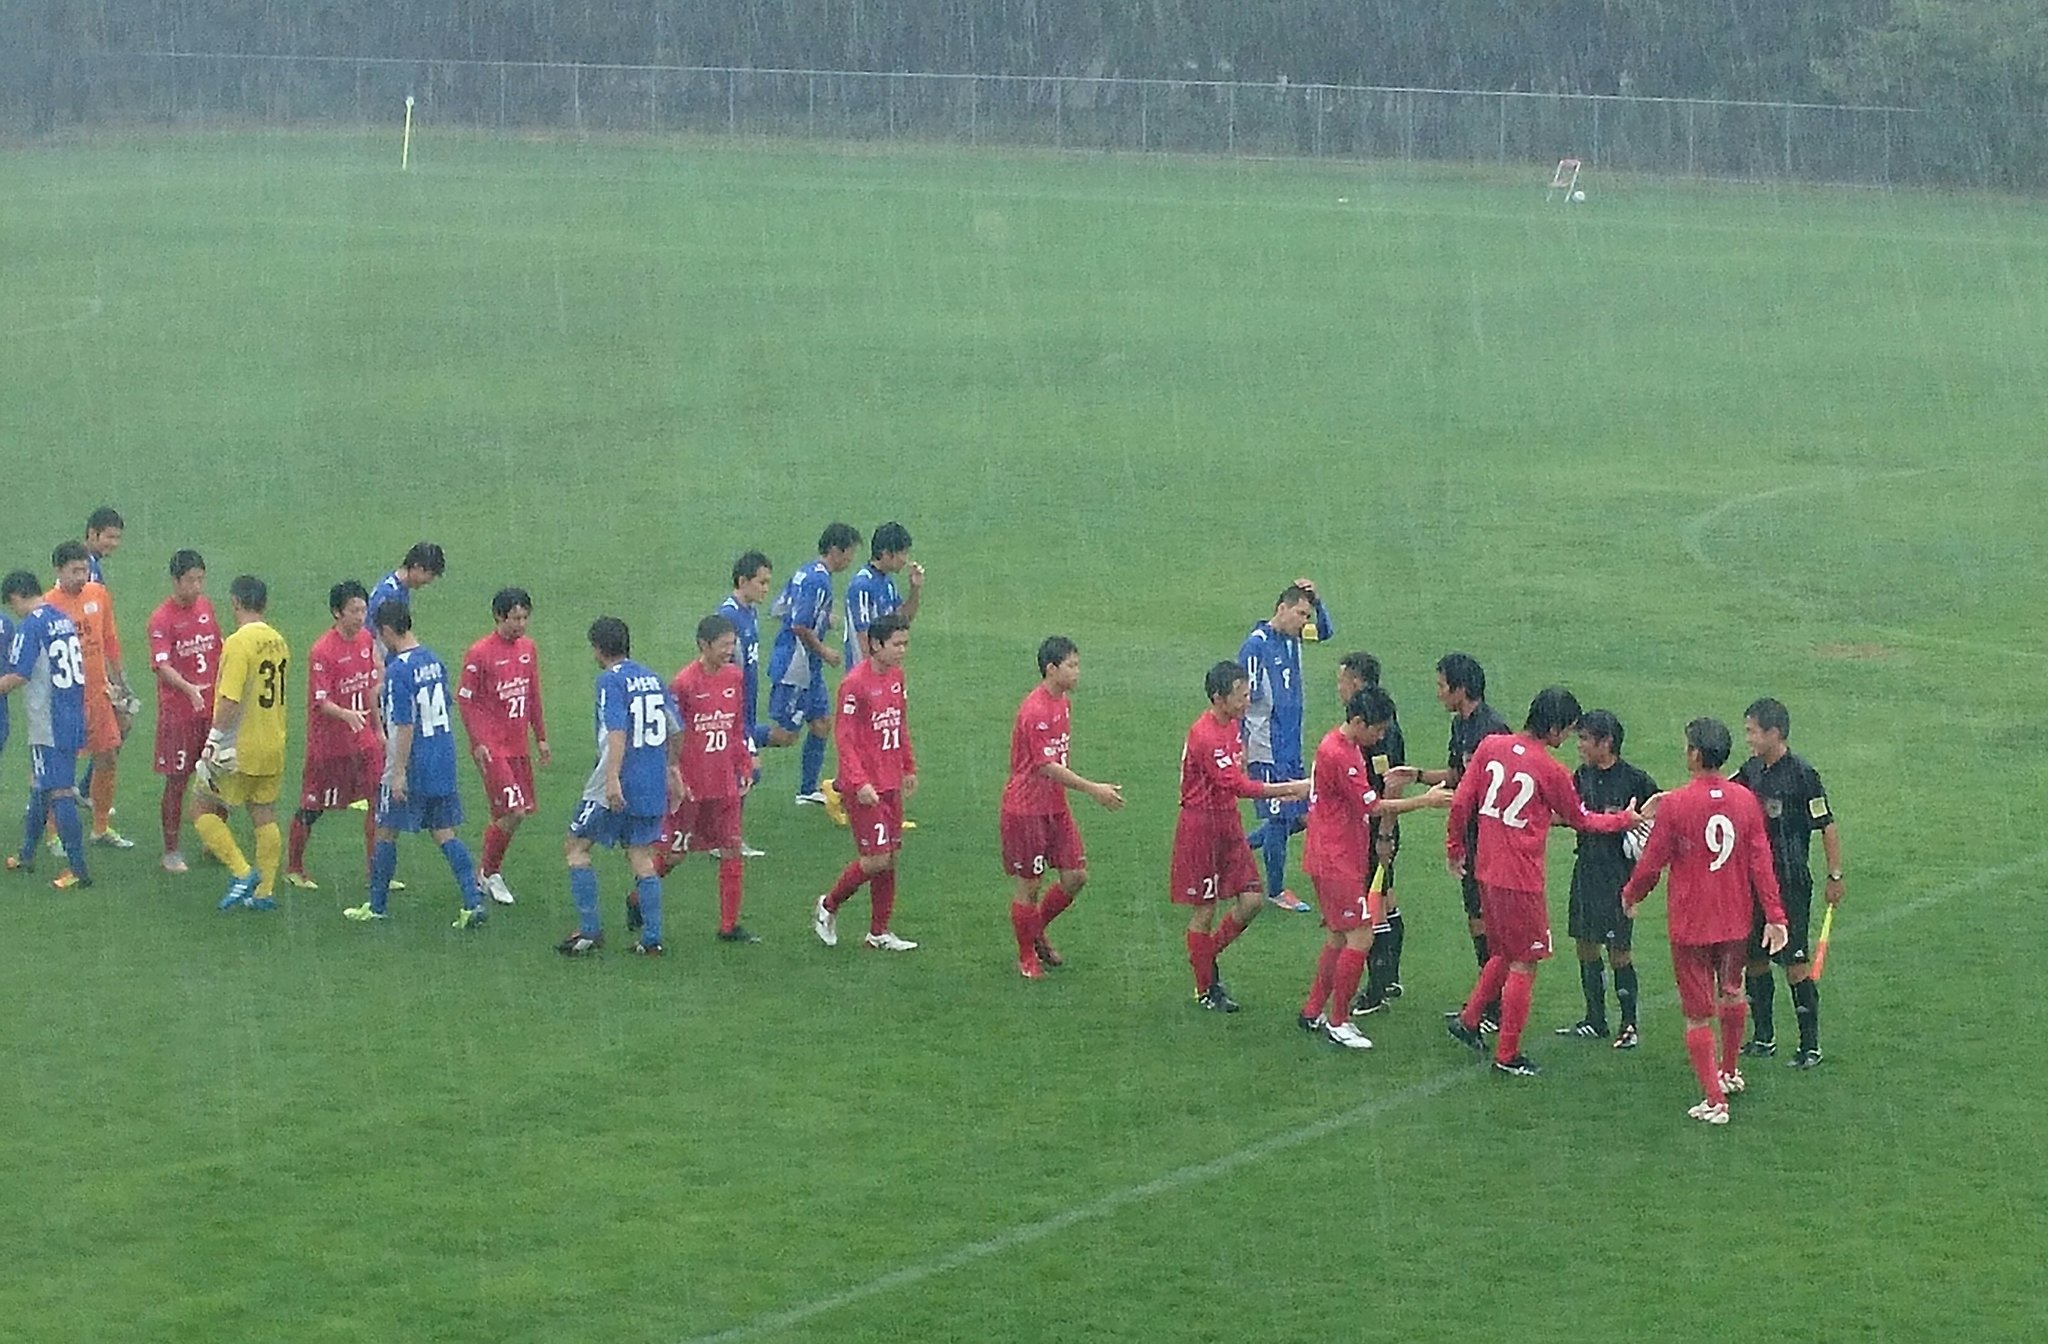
(405, 145)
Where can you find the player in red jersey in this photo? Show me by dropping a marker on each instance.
(877, 771)
(718, 771)
(1342, 808)
(1211, 861)
(1711, 835)
(344, 755)
(1037, 827)
(184, 652)
(1515, 787)
(499, 699)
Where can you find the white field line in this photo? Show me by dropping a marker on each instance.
(1200, 1173)
(88, 309)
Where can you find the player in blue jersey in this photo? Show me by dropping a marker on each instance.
(752, 574)
(872, 590)
(103, 529)
(44, 658)
(796, 666)
(424, 563)
(19, 596)
(636, 779)
(1271, 656)
(418, 791)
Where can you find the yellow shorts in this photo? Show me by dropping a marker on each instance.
(254, 790)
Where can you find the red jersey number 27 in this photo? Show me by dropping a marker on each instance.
(1525, 789)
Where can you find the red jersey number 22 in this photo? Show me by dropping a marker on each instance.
(1525, 789)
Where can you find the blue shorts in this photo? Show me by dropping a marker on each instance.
(601, 826)
(442, 812)
(791, 707)
(1283, 772)
(52, 768)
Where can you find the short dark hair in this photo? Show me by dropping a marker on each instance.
(425, 555)
(338, 596)
(1770, 714)
(1361, 665)
(184, 562)
(1292, 594)
(104, 517)
(749, 564)
(884, 626)
(1371, 704)
(1223, 678)
(21, 583)
(1601, 725)
(1709, 737)
(713, 627)
(838, 537)
(889, 538)
(610, 637)
(505, 599)
(1553, 709)
(69, 553)
(249, 593)
(1054, 650)
(395, 617)
(1462, 672)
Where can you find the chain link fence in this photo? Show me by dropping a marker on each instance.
(1677, 136)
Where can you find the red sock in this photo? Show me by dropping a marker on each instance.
(731, 873)
(1515, 996)
(1227, 931)
(1733, 1017)
(173, 809)
(1326, 975)
(495, 842)
(1024, 919)
(882, 898)
(295, 852)
(1202, 957)
(1491, 976)
(1699, 1043)
(1349, 971)
(852, 879)
(1056, 900)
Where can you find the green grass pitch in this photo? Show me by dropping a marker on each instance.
(1678, 447)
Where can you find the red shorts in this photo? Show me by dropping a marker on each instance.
(340, 780)
(877, 827)
(1034, 842)
(703, 824)
(1517, 923)
(508, 785)
(1211, 861)
(178, 744)
(1700, 969)
(1345, 903)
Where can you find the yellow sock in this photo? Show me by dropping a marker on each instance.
(220, 842)
(269, 849)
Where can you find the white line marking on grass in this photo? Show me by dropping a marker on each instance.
(88, 309)
(1286, 1140)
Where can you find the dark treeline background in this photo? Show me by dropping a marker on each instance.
(1984, 59)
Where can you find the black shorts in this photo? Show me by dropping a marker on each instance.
(1596, 920)
(1798, 921)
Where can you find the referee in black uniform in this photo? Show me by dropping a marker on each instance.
(1795, 806)
(1605, 783)
(1461, 689)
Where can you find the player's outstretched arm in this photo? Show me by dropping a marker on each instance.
(1110, 796)
(1394, 807)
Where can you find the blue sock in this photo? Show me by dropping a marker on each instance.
(71, 832)
(383, 863)
(32, 823)
(649, 891)
(464, 868)
(814, 762)
(1257, 838)
(1274, 849)
(583, 890)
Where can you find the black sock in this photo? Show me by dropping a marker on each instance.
(1376, 962)
(1806, 1003)
(1396, 927)
(1593, 980)
(1762, 991)
(1479, 949)
(1625, 992)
